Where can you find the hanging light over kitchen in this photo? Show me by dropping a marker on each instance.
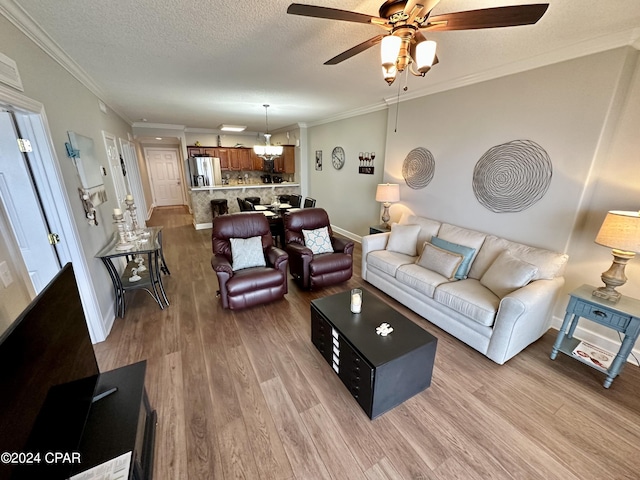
(267, 151)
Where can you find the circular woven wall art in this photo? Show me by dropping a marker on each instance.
(418, 168)
(513, 176)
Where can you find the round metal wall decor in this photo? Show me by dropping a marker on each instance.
(513, 176)
(418, 168)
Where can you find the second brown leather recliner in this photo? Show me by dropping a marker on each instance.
(321, 269)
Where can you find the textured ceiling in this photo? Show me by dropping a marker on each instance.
(203, 63)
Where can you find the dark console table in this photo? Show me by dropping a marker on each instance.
(120, 422)
(380, 372)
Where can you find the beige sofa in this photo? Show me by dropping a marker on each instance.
(500, 306)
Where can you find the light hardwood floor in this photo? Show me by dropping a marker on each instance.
(246, 395)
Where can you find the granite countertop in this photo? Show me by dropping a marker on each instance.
(243, 186)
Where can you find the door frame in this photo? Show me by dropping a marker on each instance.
(32, 121)
(128, 152)
(180, 170)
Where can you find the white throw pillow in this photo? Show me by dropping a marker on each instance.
(507, 274)
(438, 260)
(318, 240)
(246, 253)
(403, 239)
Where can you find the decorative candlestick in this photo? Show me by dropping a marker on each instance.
(132, 211)
(119, 221)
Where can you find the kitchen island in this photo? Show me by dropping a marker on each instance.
(201, 198)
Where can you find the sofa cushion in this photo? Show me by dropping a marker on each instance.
(439, 260)
(246, 253)
(462, 236)
(318, 240)
(470, 298)
(507, 273)
(403, 239)
(467, 254)
(550, 264)
(420, 279)
(428, 228)
(388, 261)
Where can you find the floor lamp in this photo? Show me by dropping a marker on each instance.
(621, 232)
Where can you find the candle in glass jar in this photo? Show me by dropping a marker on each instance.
(356, 300)
(117, 211)
(129, 197)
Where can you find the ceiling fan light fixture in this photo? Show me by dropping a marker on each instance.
(425, 55)
(389, 74)
(389, 50)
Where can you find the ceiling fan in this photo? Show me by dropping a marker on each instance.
(404, 45)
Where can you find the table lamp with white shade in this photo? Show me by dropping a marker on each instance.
(387, 193)
(621, 232)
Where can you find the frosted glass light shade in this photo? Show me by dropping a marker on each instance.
(620, 230)
(425, 55)
(389, 49)
(388, 192)
(271, 150)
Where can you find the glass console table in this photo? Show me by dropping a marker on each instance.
(149, 249)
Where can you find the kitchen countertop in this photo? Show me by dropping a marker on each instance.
(243, 186)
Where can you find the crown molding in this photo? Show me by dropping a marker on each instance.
(29, 27)
(164, 126)
(350, 113)
(629, 37)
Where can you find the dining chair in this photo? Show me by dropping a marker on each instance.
(309, 202)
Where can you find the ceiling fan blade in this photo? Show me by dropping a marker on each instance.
(510, 16)
(427, 5)
(333, 14)
(354, 50)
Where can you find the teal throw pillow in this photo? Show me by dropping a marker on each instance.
(466, 252)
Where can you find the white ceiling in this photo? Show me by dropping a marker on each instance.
(203, 63)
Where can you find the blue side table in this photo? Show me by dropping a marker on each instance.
(623, 316)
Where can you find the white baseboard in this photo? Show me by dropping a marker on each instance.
(107, 320)
(202, 226)
(346, 233)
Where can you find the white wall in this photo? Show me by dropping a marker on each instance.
(583, 112)
(69, 105)
(561, 107)
(348, 197)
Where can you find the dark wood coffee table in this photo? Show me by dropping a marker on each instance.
(380, 372)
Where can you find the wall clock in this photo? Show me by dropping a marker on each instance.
(337, 158)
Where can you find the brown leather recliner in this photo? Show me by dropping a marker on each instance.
(314, 271)
(254, 285)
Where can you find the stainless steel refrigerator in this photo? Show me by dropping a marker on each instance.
(205, 171)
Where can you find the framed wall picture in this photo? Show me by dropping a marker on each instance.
(319, 160)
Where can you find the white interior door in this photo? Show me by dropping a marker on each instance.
(22, 207)
(166, 180)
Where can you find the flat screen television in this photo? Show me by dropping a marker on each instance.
(48, 374)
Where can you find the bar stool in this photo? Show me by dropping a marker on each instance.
(219, 207)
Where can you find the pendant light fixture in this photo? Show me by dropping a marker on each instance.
(267, 151)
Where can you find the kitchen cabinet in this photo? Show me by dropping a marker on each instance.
(257, 163)
(245, 158)
(286, 163)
